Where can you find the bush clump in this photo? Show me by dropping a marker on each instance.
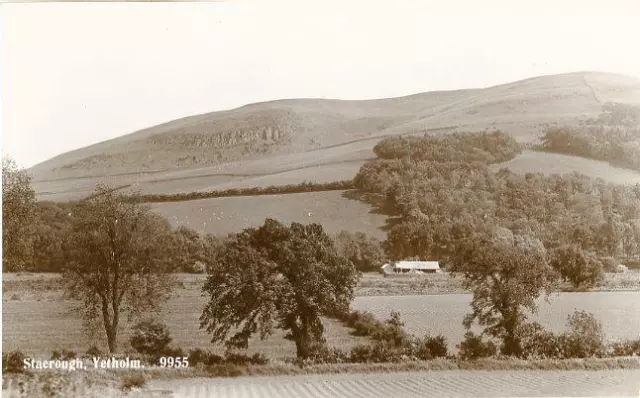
(136, 380)
(13, 362)
(625, 348)
(537, 342)
(64, 355)
(377, 352)
(430, 347)
(366, 325)
(150, 338)
(93, 351)
(204, 357)
(585, 337)
(473, 347)
(235, 358)
(327, 355)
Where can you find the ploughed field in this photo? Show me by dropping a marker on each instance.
(415, 384)
(37, 320)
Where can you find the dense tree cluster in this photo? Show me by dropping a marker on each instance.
(51, 224)
(620, 146)
(510, 236)
(486, 148)
(364, 251)
(440, 203)
(613, 137)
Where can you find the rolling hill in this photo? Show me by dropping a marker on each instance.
(291, 140)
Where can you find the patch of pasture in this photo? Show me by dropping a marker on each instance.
(222, 216)
(554, 163)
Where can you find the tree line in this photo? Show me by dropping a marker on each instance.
(613, 137)
(582, 222)
(303, 187)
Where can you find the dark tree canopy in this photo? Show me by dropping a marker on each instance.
(364, 251)
(581, 268)
(435, 200)
(276, 277)
(506, 274)
(117, 260)
(18, 216)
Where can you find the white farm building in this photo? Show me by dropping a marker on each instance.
(411, 267)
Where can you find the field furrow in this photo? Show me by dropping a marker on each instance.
(417, 384)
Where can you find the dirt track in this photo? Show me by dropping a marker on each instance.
(416, 384)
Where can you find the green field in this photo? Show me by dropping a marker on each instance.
(554, 163)
(36, 319)
(220, 216)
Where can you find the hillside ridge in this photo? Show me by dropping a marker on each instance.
(288, 134)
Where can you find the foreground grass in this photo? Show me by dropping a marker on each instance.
(113, 381)
(489, 364)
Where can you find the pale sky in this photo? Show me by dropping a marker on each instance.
(74, 74)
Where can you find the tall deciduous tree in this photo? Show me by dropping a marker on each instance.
(581, 268)
(117, 260)
(364, 251)
(276, 277)
(506, 274)
(18, 215)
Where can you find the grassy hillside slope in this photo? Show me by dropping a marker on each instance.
(295, 134)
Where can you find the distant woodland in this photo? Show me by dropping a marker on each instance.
(443, 193)
(613, 137)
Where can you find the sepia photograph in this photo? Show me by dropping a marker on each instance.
(330, 198)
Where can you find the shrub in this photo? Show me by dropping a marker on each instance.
(537, 342)
(150, 338)
(363, 323)
(173, 352)
(68, 354)
(625, 348)
(390, 331)
(204, 357)
(64, 354)
(136, 380)
(94, 351)
(378, 352)
(585, 337)
(235, 358)
(394, 319)
(473, 347)
(13, 362)
(392, 335)
(224, 370)
(430, 347)
(326, 354)
(360, 353)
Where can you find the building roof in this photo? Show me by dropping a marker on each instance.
(415, 265)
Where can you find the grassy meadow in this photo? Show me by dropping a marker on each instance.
(37, 319)
(220, 216)
(554, 163)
